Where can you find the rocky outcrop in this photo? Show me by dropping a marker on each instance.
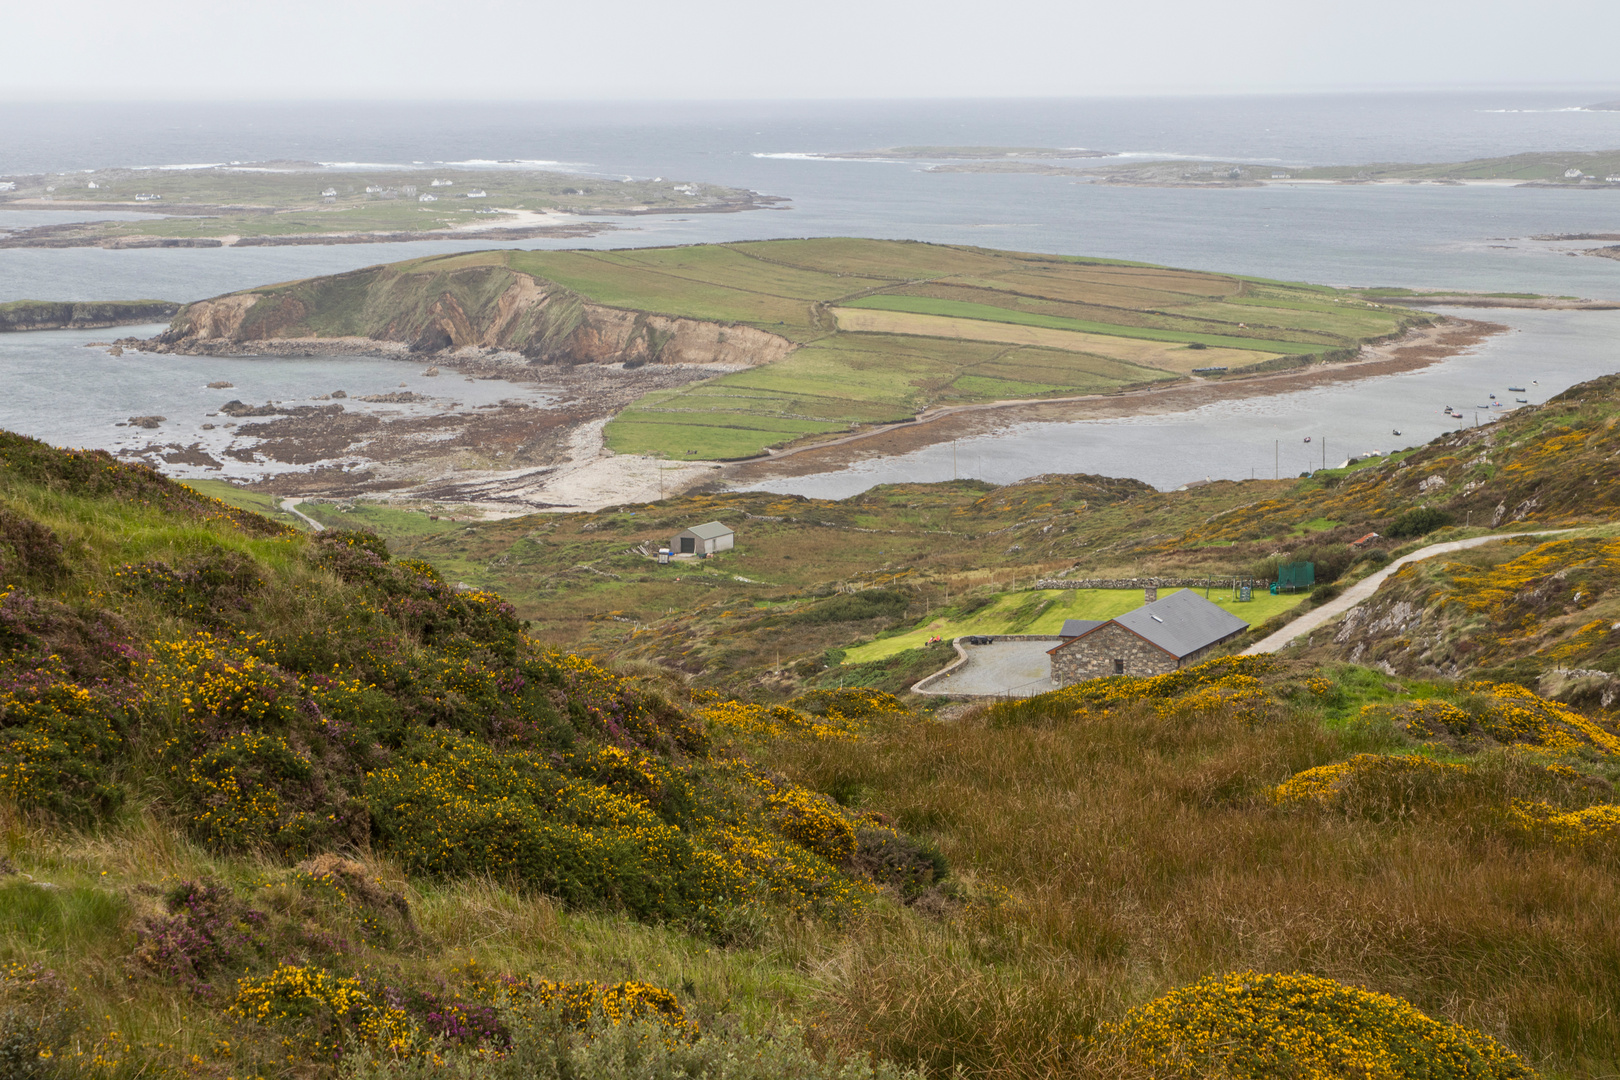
(86, 315)
(440, 312)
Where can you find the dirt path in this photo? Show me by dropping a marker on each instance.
(1364, 588)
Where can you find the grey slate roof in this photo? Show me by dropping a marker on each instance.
(1182, 623)
(1076, 627)
(710, 530)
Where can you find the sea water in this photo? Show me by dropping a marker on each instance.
(1420, 235)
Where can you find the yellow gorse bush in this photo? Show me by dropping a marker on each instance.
(1592, 825)
(584, 1003)
(336, 1008)
(813, 821)
(1508, 714)
(1327, 783)
(1302, 1027)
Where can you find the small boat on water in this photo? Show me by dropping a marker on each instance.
(1307, 438)
(1397, 431)
(1522, 401)
(1515, 389)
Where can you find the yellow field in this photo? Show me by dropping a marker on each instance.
(1163, 355)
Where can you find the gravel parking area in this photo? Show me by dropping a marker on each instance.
(1014, 668)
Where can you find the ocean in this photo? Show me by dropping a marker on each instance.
(1469, 237)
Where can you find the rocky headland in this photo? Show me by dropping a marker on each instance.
(82, 314)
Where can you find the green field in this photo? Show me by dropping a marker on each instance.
(1042, 611)
(839, 380)
(1067, 326)
(923, 305)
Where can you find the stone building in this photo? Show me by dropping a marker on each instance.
(1159, 636)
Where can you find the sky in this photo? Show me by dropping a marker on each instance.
(728, 49)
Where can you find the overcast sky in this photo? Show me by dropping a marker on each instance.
(544, 49)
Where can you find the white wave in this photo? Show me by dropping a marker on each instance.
(512, 163)
(1567, 108)
(173, 168)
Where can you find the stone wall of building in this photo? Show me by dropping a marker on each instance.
(1093, 655)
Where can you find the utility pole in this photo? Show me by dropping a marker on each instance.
(1276, 460)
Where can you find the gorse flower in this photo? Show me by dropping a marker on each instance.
(1303, 1027)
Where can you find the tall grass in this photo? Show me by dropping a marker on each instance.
(1141, 853)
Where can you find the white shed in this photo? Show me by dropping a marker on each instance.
(705, 539)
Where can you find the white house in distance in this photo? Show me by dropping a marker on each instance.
(705, 539)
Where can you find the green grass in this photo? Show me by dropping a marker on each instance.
(1043, 611)
(851, 379)
(925, 305)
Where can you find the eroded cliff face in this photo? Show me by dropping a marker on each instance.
(489, 307)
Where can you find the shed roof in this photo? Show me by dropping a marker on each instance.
(709, 530)
(1076, 627)
(1182, 623)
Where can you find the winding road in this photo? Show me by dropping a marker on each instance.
(1364, 588)
(291, 506)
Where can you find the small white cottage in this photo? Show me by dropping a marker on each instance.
(705, 539)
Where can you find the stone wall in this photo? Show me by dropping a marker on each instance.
(1147, 583)
(1093, 656)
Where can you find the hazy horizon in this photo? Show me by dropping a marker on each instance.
(168, 50)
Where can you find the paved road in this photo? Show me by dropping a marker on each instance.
(291, 506)
(1017, 668)
(1364, 588)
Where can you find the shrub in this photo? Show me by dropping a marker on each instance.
(1418, 521)
(1324, 593)
(813, 821)
(58, 745)
(893, 858)
(1283, 1027)
(329, 1012)
(209, 590)
(205, 930)
(27, 547)
(1361, 777)
(853, 607)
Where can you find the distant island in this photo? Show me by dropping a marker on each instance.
(1604, 106)
(970, 153)
(303, 202)
(82, 315)
(1572, 169)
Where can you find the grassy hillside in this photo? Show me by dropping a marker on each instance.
(814, 583)
(884, 330)
(283, 805)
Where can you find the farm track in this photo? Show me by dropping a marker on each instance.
(1368, 586)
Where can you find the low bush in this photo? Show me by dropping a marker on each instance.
(1283, 1027)
(1418, 521)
